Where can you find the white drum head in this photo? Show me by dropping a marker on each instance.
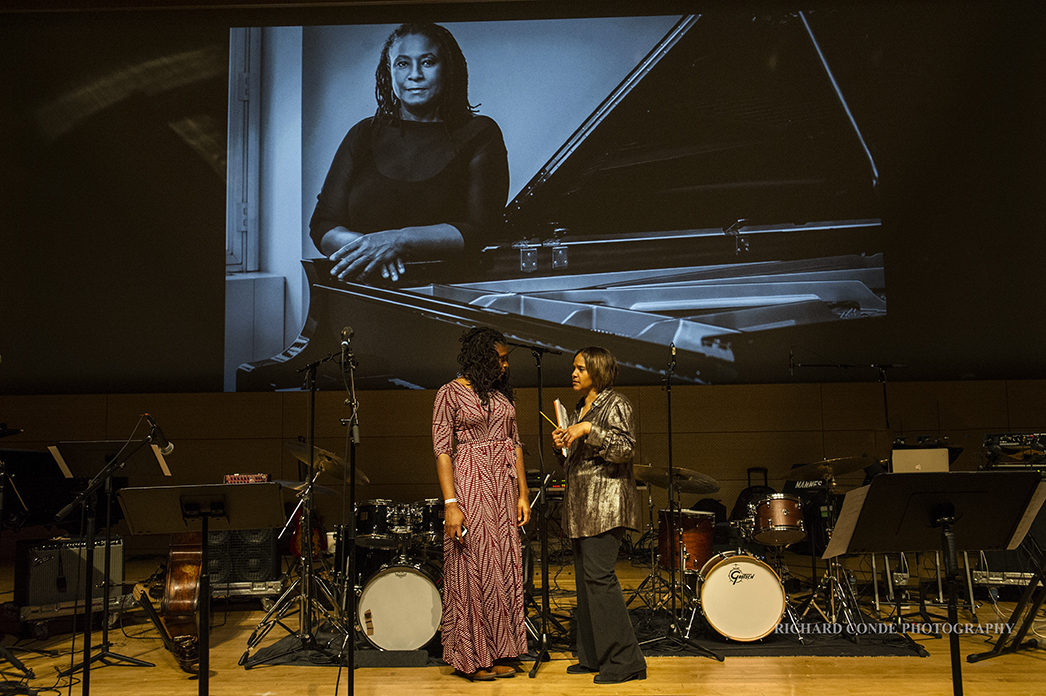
(400, 609)
(741, 597)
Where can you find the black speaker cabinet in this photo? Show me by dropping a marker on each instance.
(51, 571)
(243, 555)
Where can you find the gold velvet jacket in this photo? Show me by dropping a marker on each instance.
(601, 487)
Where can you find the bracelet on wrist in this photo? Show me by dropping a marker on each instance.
(448, 501)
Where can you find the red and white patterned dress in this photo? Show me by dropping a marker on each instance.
(482, 575)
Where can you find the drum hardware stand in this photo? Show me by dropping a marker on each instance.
(544, 642)
(656, 583)
(674, 634)
(784, 575)
(303, 591)
(838, 593)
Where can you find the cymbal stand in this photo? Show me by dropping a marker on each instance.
(653, 582)
(841, 602)
(675, 636)
(304, 591)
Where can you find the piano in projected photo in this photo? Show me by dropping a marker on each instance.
(720, 198)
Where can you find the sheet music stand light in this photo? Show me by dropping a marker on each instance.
(950, 511)
(169, 509)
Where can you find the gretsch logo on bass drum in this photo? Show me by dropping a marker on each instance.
(737, 575)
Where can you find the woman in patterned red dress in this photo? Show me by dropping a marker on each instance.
(479, 459)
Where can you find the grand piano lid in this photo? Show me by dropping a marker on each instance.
(730, 117)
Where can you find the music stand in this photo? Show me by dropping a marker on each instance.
(950, 511)
(99, 460)
(170, 509)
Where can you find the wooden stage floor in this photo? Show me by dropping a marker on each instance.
(1017, 674)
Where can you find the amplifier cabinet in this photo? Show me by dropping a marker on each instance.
(243, 556)
(51, 571)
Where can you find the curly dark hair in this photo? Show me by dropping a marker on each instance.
(454, 104)
(480, 363)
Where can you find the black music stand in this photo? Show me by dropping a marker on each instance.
(950, 511)
(100, 460)
(171, 509)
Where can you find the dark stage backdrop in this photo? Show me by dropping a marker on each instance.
(112, 191)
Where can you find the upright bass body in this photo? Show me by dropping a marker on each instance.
(180, 606)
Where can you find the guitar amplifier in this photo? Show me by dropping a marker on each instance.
(50, 572)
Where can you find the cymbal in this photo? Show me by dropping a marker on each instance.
(327, 462)
(298, 486)
(686, 480)
(828, 468)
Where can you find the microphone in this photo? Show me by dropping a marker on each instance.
(791, 362)
(346, 336)
(166, 447)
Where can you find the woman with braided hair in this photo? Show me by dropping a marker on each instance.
(424, 179)
(479, 460)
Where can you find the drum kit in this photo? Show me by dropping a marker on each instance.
(398, 573)
(740, 593)
(390, 594)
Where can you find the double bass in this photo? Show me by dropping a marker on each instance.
(178, 620)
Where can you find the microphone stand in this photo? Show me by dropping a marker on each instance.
(88, 498)
(675, 636)
(348, 597)
(881, 368)
(544, 643)
(307, 584)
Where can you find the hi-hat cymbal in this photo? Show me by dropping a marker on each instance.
(327, 462)
(298, 486)
(685, 480)
(828, 468)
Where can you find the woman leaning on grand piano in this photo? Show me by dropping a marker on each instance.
(424, 179)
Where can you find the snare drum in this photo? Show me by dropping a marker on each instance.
(692, 534)
(427, 520)
(778, 520)
(382, 524)
(400, 607)
(741, 597)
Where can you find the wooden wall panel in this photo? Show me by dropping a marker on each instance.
(1026, 405)
(719, 408)
(51, 419)
(856, 406)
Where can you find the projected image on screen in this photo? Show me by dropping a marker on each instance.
(704, 186)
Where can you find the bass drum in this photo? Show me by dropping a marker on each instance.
(741, 597)
(400, 607)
